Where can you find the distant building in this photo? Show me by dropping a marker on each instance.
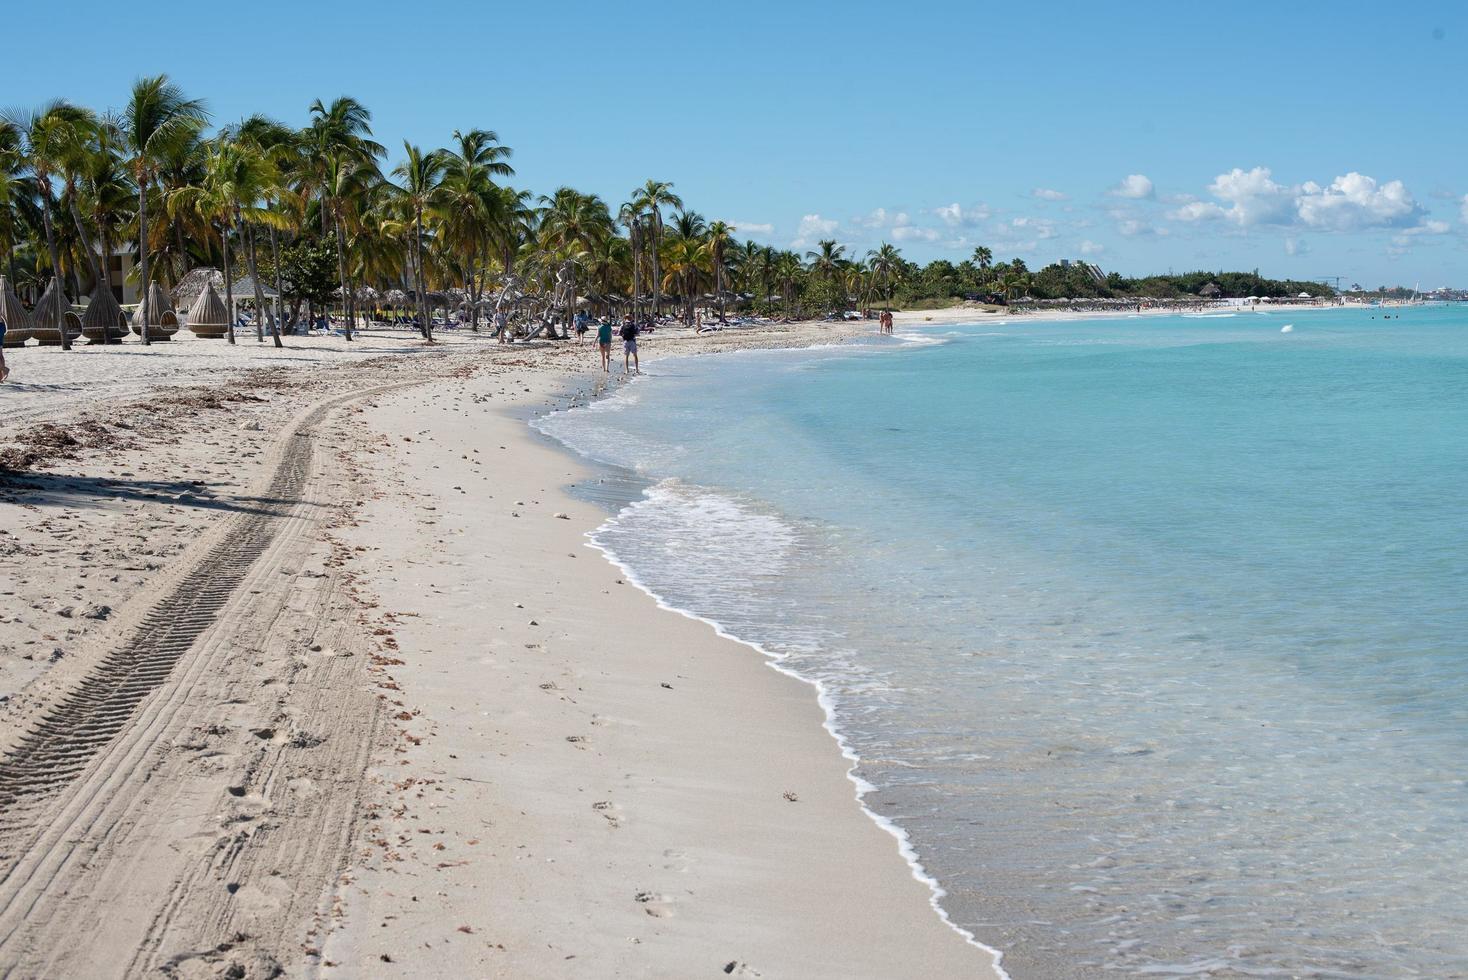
(1210, 291)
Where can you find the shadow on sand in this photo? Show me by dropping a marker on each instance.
(55, 490)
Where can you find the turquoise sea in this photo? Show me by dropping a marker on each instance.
(1151, 634)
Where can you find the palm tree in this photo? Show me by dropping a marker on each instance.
(572, 224)
(470, 204)
(12, 169)
(983, 258)
(650, 199)
(237, 178)
(421, 173)
(885, 263)
(106, 188)
(720, 237)
(280, 145)
(340, 154)
(156, 113)
(50, 134)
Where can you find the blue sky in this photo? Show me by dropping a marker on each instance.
(1305, 139)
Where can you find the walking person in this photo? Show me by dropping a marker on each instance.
(604, 342)
(4, 371)
(630, 364)
(501, 322)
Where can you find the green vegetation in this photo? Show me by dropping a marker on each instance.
(323, 215)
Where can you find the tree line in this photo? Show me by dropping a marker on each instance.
(319, 214)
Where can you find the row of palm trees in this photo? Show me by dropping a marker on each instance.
(75, 184)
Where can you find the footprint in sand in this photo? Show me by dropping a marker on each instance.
(610, 811)
(677, 861)
(655, 905)
(577, 740)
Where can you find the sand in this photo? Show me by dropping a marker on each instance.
(414, 725)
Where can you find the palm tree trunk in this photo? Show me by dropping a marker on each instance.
(81, 232)
(422, 292)
(341, 269)
(279, 292)
(228, 279)
(657, 266)
(260, 311)
(55, 257)
(143, 253)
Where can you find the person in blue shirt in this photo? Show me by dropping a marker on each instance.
(604, 341)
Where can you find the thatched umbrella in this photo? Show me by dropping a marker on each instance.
(209, 317)
(191, 286)
(103, 322)
(157, 311)
(395, 297)
(52, 315)
(17, 318)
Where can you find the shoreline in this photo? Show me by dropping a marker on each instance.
(590, 388)
(887, 925)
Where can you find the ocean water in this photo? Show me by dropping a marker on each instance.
(1150, 634)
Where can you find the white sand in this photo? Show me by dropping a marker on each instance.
(612, 790)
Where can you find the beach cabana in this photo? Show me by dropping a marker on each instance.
(191, 286)
(104, 322)
(157, 312)
(53, 315)
(1210, 291)
(209, 317)
(17, 318)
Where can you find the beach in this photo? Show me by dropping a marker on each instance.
(409, 723)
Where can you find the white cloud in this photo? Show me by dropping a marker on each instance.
(955, 215)
(1350, 203)
(912, 233)
(753, 227)
(813, 228)
(1356, 201)
(1430, 226)
(1198, 211)
(1039, 227)
(874, 219)
(1135, 228)
(1296, 246)
(1464, 212)
(1253, 196)
(1134, 186)
(1089, 247)
(1046, 194)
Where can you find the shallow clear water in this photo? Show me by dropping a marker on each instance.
(1149, 632)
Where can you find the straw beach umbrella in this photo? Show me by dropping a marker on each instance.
(17, 318)
(51, 316)
(104, 322)
(157, 312)
(191, 286)
(209, 317)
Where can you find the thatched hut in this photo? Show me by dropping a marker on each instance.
(1210, 291)
(17, 318)
(104, 322)
(209, 317)
(191, 286)
(157, 312)
(53, 315)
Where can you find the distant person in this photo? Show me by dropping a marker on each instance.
(4, 371)
(583, 323)
(501, 322)
(629, 348)
(604, 341)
